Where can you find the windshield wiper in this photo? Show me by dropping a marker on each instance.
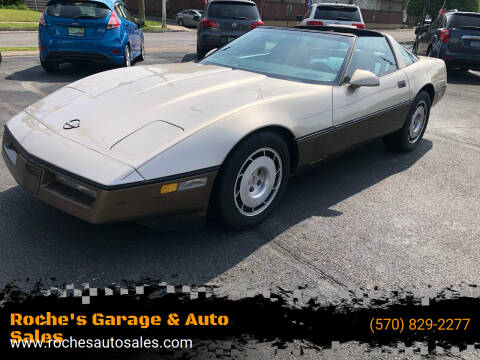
(343, 18)
(85, 17)
(470, 27)
(240, 17)
(384, 59)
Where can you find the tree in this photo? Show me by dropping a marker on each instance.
(415, 7)
(141, 9)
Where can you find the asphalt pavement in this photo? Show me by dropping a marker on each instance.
(369, 218)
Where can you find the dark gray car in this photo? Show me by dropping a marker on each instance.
(453, 37)
(224, 21)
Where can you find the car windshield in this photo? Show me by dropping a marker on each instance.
(78, 10)
(337, 13)
(304, 56)
(465, 21)
(232, 10)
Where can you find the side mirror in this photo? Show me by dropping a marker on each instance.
(299, 18)
(196, 18)
(364, 78)
(140, 23)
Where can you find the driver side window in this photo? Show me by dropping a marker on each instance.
(372, 54)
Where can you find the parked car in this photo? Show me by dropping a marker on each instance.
(455, 38)
(101, 31)
(225, 21)
(324, 14)
(190, 17)
(223, 134)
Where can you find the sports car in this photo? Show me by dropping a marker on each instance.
(224, 134)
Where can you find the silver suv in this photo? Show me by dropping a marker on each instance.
(224, 21)
(324, 14)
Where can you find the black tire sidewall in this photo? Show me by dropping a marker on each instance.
(224, 201)
(406, 145)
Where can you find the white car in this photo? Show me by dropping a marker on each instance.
(326, 14)
(189, 17)
(223, 134)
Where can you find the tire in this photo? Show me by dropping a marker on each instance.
(429, 52)
(410, 135)
(200, 52)
(141, 57)
(180, 22)
(252, 180)
(49, 66)
(127, 56)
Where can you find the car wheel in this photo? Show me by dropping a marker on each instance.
(180, 22)
(252, 180)
(142, 53)
(127, 56)
(49, 66)
(429, 51)
(409, 136)
(200, 52)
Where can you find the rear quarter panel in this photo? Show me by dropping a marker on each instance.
(427, 71)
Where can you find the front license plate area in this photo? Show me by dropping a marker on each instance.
(475, 44)
(76, 31)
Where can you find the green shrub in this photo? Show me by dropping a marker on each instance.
(13, 4)
(415, 7)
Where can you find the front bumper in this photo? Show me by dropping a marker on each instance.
(101, 204)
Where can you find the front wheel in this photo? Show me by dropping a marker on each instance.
(252, 180)
(409, 136)
(127, 56)
(142, 53)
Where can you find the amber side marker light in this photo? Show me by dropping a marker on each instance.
(167, 188)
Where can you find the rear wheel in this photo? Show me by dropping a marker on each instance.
(252, 180)
(409, 136)
(180, 22)
(49, 66)
(200, 52)
(127, 56)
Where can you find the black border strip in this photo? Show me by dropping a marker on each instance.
(96, 185)
(350, 122)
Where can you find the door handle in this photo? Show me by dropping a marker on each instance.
(401, 84)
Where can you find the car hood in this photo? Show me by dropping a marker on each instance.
(135, 113)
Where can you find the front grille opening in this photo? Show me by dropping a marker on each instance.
(70, 190)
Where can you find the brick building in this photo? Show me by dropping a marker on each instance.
(283, 12)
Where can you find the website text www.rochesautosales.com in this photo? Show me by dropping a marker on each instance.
(104, 343)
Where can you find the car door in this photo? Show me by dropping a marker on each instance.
(132, 29)
(188, 18)
(367, 112)
(425, 39)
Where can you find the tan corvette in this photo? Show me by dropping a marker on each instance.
(227, 131)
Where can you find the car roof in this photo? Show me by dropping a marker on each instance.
(342, 30)
(336, 5)
(463, 13)
(106, 2)
(240, 1)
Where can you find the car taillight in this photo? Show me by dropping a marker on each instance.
(257, 23)
(314, 22)
(359, 25)
(113, 22)
(208, 23)
(445, 36)
(42, 19)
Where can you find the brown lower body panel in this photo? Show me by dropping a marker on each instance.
(328, 142)
(122, 204)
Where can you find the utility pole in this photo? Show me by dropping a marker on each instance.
(141, 9)
(164, 14)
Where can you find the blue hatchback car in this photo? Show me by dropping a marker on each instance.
(101, 31)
